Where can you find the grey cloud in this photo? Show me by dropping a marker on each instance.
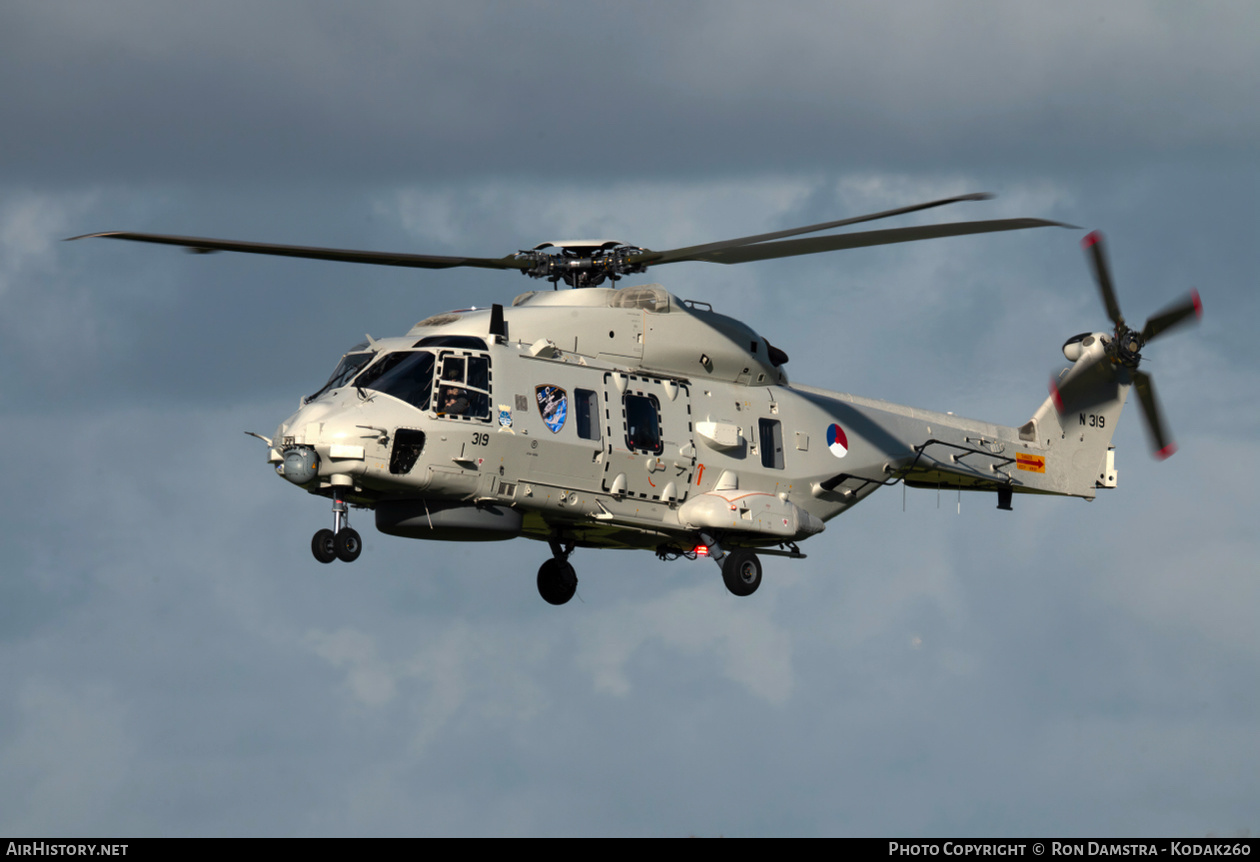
(176, 663)
(434, 91)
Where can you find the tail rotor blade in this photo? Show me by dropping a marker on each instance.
(1084, 388)
(1160, 439)
(1173, 315)
(1093, 245)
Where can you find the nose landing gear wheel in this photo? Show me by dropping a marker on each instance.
(741, 570)
(323, 546)
(339, 543)
(347, 545)
(557, 582)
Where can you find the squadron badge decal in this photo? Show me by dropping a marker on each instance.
(553, 404)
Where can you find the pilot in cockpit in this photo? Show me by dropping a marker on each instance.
(453, 400)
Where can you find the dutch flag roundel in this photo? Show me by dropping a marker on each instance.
(837, 442)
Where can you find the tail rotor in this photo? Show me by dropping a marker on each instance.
(1122, 353)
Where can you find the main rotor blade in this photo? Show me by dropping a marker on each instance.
(382, 258)
(1093, 245)
(814, 245)
(1178, 312)
(690, 252)
(1162, 443)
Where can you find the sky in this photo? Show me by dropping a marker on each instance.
(174, 661)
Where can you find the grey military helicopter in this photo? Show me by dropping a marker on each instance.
(629, 418)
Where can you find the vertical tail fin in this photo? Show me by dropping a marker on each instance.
(1082, 428)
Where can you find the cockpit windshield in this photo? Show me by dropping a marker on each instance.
(405, 374)
(349, 366)
(462, 385)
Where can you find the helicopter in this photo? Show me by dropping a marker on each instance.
(626, 417)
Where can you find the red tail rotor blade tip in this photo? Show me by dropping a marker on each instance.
(1055, 396)
(1091, 238)
(1166, 452)
(1198, 303)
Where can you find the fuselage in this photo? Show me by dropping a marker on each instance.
(608, 418)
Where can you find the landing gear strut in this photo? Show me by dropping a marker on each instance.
(341, 542)
(741, 570)
(557, 582)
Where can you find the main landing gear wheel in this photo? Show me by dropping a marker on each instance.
(324, 546)
(557, 582)
(741, 570)
(347, 544)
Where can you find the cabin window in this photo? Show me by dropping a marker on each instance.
(586, 408)
(643, 424)
(463, 386)
(770, 432)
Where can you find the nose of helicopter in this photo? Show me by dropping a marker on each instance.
(316, 435)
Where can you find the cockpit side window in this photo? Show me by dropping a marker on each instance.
(345, 371)
(463, 386)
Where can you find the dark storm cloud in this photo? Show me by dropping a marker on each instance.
(258, 94)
